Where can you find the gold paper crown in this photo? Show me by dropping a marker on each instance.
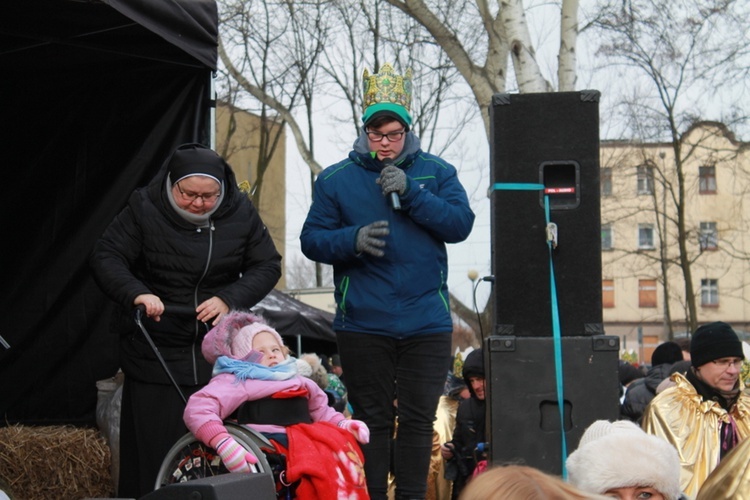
(458, 361)
(458, 365)
(387, 91)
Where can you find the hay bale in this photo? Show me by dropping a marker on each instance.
(53, 462)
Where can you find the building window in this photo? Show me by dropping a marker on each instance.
(645, 237)
(646, 293)
(607, 237)
(605, 177)
(710, 293)
(645, 180)
(706, 180)
(708, 236)
(608, 293)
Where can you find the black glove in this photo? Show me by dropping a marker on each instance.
(392, 180)
(369, 238)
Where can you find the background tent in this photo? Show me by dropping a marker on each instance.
(94, 96)
(304, 328)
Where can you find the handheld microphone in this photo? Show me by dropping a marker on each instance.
(395, 200)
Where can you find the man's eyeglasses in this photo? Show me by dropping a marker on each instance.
(191, 197)
(392, 136)
(726, 363)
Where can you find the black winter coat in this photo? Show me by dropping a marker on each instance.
(470, 426)
(642, 391)
(149, 248)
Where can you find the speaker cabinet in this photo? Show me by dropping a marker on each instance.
(522, 403)
(221, 487)
(550, 140)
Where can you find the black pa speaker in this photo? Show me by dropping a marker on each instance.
(523, 412)
(548, 140)
(221, 487)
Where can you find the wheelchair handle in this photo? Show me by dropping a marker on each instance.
(171, 309)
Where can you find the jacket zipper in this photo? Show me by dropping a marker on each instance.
(195, 298)
(343, 288)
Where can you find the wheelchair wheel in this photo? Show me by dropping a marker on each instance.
(190, 459)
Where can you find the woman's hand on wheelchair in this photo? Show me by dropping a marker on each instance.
(235, 457)
(358, 429)
(152, 303)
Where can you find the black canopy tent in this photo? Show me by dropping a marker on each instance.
(94, 95)
(304, 328)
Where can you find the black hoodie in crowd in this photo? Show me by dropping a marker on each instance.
(470, 428)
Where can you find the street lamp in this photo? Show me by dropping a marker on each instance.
(473, 275)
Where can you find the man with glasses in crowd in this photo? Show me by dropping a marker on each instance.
(189, 238)
(382, 218)
(706, 413)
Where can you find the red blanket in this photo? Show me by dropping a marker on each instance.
(327, 461)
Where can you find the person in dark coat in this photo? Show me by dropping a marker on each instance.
(642, 391)
(627, 373)
(189, 238)
(461, 451)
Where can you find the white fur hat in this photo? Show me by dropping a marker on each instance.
(303, 368)
(619, 454)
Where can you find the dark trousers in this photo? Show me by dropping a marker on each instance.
(150, 424)
(388, 378)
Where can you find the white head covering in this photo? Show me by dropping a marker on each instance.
(620, 454)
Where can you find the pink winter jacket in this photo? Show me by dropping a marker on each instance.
(207, 408)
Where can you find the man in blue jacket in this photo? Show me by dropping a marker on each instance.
(382, 218)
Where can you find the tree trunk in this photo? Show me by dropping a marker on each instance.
(566, 67)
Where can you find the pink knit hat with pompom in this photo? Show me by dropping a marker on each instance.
(218, 341)
(242, 343)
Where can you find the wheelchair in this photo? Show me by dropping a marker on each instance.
(190, 459)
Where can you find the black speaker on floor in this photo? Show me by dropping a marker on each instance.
(522, 395)
(552, 140)
(221, 487)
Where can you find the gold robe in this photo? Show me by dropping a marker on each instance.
(439, 488)
(680, 416)
(731, 479)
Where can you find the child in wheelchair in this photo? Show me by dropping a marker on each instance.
(255, 381)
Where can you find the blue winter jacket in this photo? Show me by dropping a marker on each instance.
(405, 292)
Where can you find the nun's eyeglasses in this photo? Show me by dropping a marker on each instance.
(192, 197)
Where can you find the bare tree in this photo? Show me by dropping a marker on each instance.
(271, 50)
(286, 55)
(472, 39)
(674, 54)
(479, 39)
(300, 275)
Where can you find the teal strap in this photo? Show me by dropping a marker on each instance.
(516, 186)
(558, 346)
(555, 314)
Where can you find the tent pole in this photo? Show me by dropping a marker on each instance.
(212, 112)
